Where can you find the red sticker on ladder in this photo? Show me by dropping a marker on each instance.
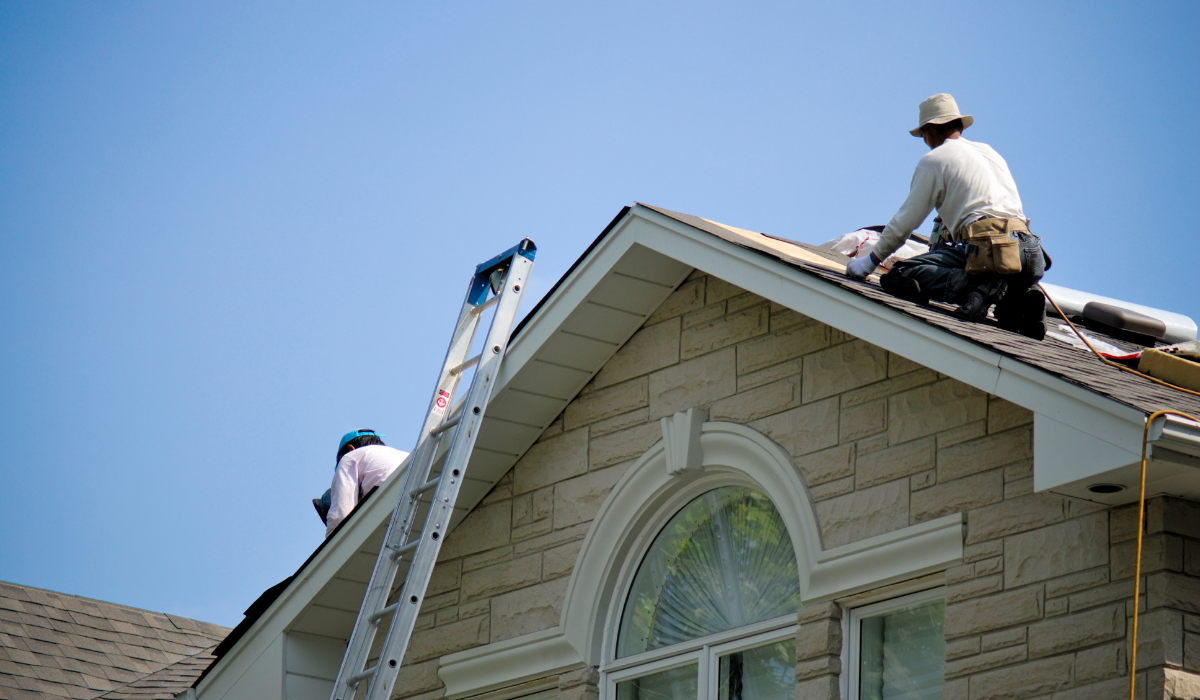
(440, 404)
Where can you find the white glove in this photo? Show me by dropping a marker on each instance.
(859, 268)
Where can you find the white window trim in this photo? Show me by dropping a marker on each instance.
(852, 631)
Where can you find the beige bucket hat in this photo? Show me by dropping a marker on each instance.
(939, 109)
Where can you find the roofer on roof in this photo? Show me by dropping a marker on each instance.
(363, 462)
(981, 251)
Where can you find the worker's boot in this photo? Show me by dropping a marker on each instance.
(903, 287)
(1023, 313)
(980, 297)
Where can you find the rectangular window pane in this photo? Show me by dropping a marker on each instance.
(901, 654)
(765, 673)
(673, 684)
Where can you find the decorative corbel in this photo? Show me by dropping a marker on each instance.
(681, 438)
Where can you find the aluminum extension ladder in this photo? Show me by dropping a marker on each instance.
(505, 276)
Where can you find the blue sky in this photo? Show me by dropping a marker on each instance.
(229, 232)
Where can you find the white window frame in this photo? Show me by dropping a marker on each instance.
(852, 631)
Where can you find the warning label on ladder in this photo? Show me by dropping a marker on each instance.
(442, 402)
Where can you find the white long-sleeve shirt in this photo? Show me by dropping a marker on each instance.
(962, 179)
(359, 471)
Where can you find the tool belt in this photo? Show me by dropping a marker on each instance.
(993, 246)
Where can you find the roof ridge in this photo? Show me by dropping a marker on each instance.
(157, 670)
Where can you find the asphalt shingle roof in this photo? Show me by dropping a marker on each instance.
(59, 645)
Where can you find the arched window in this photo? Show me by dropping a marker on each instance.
(711, 611)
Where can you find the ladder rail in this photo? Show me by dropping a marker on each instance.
(441, 510)
(514, 266)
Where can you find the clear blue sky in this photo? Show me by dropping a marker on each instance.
(231, 232)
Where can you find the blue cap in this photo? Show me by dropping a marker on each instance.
(357, 433)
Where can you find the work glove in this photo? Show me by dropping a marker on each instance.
(859, 268)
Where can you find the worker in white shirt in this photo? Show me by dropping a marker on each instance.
(982, 253)
(363, 462)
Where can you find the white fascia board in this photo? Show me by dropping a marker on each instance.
(296, 597)
(1176, 434)
(891, 330)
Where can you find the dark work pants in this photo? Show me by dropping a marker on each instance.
(942, 276)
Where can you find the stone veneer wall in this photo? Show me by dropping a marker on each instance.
(883, 443)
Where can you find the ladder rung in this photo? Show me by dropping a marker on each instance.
(465, 366)
(386, 611)
(445, 426)
(406, 549)
(485, 305)
(360, 677)
(427, 486)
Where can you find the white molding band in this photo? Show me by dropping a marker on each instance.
(509, 662)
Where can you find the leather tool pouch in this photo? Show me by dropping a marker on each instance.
(993, 246)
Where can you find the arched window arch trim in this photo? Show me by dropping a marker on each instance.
(649, 494)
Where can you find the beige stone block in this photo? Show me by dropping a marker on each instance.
(1076, 631)
(987, 567)
(703, 315)
(543, 503)
(479, 607)
(888, 387)
(898, 365)
(963, 433)
(1021, 471)
(1191, 561)
(830, 489)
(484, 528)
(650, 349)
(555, 428)
(923, 480)
(435, 642)
(933, 408)
(1108, 593)
(803, 430)
(433, 603)
(1159, 552)
(1006, 638)
(1026, 680)
(1100, 663)
(974, 588)
(577, 500)
(1160, 638)
(1191, 623)
(958, 574)
(626, 420)
(1174, 515)
(1016, 489)
(719, 289)
(955, 689)
(607, 402)
(895, 462)
(1016, 515)
(864, 513)
(819, 611)
(986, 550)
(958, 495)
(1056, 550)
(1004, 415)
(985, 661)
(791, 368)
(522, 510)
(501, 578)
(527, 610)
(745, 301)
(819, 688)
(1076, 582)
(1056, 606)
(751, 405)
(538, 527)
(1122, 523)
(555, 459)
(820, 666)
(959, 648)
(780, 346)
(445, 577)
(1191, 651)
(818, 639)
(688, 296)
(696, 382)
(1115, 689)
(722, 332)
(871, 444)
(863, 421)
(842, 368)
(986, 453)
(501, 491)
(786, 318)
(560, 561)
(418, 678)
(1180, 685)
(554, 539)
(445, 617)
(623, 445)
(1007, 609)
(491, 556)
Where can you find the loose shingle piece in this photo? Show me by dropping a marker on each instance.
(59, 645)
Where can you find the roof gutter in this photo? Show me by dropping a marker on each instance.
(1176, 435)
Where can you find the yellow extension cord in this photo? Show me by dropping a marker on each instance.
(1137, 569)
